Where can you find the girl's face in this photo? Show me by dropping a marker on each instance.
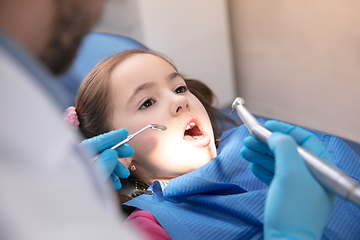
(145, 90)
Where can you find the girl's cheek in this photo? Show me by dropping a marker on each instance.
(145, 145)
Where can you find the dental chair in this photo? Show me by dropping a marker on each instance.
(94, 48)
(97, 46)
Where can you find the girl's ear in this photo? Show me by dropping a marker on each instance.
(126, 161)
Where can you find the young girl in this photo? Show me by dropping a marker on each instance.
(197, 191)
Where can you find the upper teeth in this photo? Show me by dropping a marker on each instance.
(190, 125)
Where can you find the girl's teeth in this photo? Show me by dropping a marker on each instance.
(197, 137)
(190, 125)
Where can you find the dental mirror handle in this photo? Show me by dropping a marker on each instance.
(329, 176)
(127, 139)
(131, 136)
(152, 126)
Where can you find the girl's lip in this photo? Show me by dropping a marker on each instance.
(190, 119)
(204, 140)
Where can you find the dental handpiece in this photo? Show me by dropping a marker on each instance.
(329, 176)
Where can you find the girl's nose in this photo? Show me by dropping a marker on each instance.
(179, 105)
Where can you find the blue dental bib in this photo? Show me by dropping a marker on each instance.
(224, 200)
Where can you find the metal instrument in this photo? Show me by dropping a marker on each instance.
(329, 176)
(152, 126)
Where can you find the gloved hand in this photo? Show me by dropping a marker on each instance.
(297, 206)
(107, 163)
(262, 157)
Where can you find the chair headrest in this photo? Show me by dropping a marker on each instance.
(94, 48)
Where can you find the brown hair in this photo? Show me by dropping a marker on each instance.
(93, 108)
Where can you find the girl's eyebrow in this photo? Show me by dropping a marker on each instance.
(174, 75)
(141, 88)
(148, 85)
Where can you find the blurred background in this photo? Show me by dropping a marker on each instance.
(297, 61)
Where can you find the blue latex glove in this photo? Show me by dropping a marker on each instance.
(262, 157)
(107, 163)
(297, 206)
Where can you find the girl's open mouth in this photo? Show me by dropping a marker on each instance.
(192, 132)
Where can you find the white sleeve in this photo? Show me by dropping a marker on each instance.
(39, 205)
(48, 190)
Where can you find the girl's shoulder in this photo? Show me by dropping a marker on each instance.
(147, 224)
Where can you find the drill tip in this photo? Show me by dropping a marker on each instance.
(238, 101)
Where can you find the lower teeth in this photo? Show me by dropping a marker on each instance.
(197, 137)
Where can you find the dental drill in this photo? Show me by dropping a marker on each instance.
(329, 176)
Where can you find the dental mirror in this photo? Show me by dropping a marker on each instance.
(157, 127)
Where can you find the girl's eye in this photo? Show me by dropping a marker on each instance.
(181, 89)
(148, 103)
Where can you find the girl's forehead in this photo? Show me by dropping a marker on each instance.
(140, 71)
(142, 67)
(145, 60)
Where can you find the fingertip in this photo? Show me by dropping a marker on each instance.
(123, 131)
(242, 150)
(248, 140)
(116, 182)
(262, 174)
(115, 136)
(121, 170)
(270, 123)
(120, 134)
(125, 151)
(126, 174)
(117, 186)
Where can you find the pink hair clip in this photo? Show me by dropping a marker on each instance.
(70, 116)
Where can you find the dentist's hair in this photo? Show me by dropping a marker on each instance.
(93, 108)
